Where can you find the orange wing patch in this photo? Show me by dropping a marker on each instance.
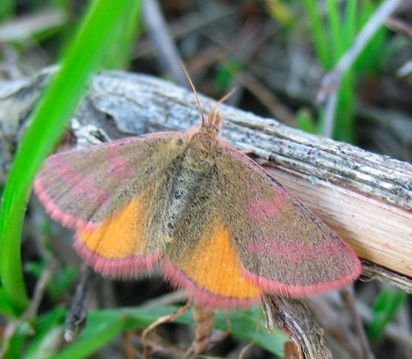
(214, 267)
(120, 236)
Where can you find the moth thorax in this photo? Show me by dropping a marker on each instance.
(199, 154)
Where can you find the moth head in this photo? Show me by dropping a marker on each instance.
(213, 123)
(214, 120)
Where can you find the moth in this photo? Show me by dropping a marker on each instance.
(216, 222)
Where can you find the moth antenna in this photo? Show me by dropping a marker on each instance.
(195, 92)
(214, 116)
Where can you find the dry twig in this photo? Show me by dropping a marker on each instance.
(165, 48)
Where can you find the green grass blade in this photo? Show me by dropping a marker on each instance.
(335, 29)
(305, 121)
(6, 9)
(376, 52)
(96, 335)
(384, 309)
(319, 33)
(83, 56)
(49, 334)
(6, 305)
(121, 51)
(344, 129)
(349, 24)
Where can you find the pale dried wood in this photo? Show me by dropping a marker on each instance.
(366, 198)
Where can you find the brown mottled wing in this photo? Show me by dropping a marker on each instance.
(283, 247)
(82, 188)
